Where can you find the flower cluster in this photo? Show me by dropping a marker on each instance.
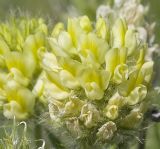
(20, 40)
(95, 77)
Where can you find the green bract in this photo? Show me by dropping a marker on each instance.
(95, 77)
(20, 41)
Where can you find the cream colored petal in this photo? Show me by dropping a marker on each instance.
(93, 91)
(65, 41)
(121, 73)
(112, 60)
(26, 99)
(85, 24)
(68, 80)
(137, 95)
(54, 89)
(92, 48)
(74, 29)
(56, 49)
(112, 112)
(118, 33)
(128, 85)
(130, 41)
(145, 73)
(94, 82)
(57, 29)
(49, 62)
(18, 77)
(102, 29)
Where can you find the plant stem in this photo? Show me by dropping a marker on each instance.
(38, 134)
(55, 141)
(143, 138)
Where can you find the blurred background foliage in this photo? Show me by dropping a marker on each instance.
(60, 10)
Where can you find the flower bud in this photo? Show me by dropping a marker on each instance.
(106, 132)
(89, 115)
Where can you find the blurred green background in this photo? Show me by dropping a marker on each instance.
(59, 10)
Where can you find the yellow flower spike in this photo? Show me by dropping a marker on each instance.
(89, 115)
(21, 40)
(102, 29)
(94, 82)
(85, 24)
(118, 33)
(57, 29)
(137, 95)
(92, 49)
(16, 30)
(92, 73)
(130, 41)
